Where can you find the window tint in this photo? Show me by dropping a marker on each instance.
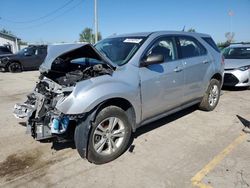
(28, 50)
(164, 47)
(211, 42)
(120, 49)
(4, 50)
(190, 47)
(237, 53)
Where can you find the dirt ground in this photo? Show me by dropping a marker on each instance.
(190, 148)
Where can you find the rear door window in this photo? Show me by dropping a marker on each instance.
(190, 47)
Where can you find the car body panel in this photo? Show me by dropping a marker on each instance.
(102, 88)
(233, 75)
(236, 63)
(54, 51)
(160, 81)
(237, 78)
(153, 91)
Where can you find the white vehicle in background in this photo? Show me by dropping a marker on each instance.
(237, 65)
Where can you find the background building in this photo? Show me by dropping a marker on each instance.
(9, 40)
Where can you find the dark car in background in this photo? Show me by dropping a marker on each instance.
(29, 58)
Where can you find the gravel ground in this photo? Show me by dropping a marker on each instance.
(166, 153)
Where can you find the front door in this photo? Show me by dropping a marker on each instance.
(161, 84)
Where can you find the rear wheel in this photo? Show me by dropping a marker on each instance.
(15, 67)
(211, 97)
(109, 136)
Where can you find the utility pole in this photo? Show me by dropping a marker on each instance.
(96, 22)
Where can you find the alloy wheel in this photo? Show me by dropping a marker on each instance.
(213, 95)
(108, 136)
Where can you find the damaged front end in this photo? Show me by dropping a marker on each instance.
(63, 68)
(43, 120)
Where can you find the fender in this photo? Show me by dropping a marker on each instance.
(90, 93)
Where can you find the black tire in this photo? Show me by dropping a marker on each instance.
(206, 104)
(121, 143)
(15, 67)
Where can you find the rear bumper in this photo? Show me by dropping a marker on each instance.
(237, 78)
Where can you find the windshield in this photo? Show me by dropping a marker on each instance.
(120, 49)
(237, 53)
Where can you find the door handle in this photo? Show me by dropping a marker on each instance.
(178, 69)
(205, 61)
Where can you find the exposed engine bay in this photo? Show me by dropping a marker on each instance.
(43, 119)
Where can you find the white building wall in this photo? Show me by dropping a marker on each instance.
(12, 43)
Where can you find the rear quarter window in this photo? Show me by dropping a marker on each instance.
(211, 42)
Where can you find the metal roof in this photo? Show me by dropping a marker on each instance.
(145, 34)
(9, 35)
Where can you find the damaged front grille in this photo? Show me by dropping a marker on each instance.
(40, 110)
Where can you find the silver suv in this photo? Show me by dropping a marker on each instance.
(98, 95)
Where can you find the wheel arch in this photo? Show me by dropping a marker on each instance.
(122, 103)
(14, 61)
(218, 77)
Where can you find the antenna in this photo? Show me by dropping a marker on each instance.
(183, 29)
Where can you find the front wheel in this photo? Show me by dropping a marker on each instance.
(15, 67)
(211, 97)
(109, 135)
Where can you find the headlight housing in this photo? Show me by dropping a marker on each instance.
(244, 68)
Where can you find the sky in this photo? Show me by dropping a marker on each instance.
(49, 21)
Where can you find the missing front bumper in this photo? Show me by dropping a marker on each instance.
(23, 110)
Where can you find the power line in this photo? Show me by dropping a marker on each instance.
(39, 18)
(48, 21)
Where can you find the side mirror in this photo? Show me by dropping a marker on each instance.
(153, 59)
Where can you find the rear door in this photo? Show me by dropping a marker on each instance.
(161, 84)
(29, 58)
(196, 61)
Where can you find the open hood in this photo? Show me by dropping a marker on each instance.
(87, 50)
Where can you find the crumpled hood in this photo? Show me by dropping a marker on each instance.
(56, 50)
(236, 63)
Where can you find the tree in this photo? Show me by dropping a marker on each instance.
(87, 35)
(223, 45)
(191, 30)
(5, 31)
(230, 36)
(20, 42)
